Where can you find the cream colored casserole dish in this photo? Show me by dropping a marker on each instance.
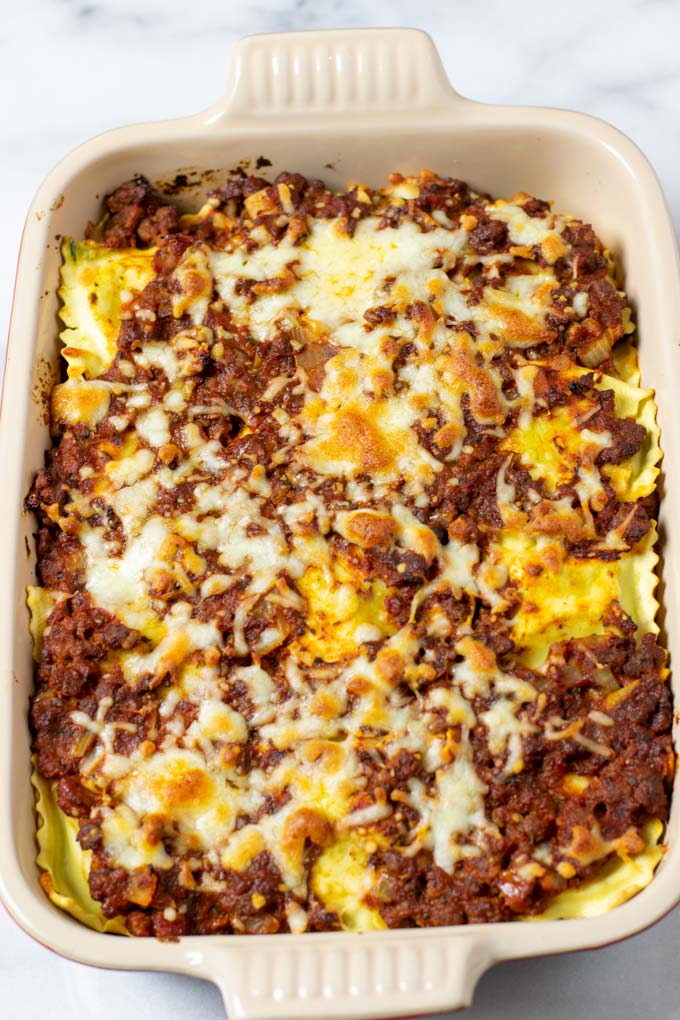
(336, 105)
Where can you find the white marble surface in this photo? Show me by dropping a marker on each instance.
(72, 68)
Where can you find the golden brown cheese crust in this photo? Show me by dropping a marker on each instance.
(339, 532)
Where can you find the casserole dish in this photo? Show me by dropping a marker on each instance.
(319, 102)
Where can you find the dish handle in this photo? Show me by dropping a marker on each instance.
(369, 976)
(363, 73)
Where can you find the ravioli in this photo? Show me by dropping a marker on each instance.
(346, 612)
(94, 285)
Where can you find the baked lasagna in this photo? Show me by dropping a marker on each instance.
(345, 603)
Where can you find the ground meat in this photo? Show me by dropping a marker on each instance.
(647, 657)
(278, 360)
(171, 248)
(254, 447)
(627, 435)
(110, 886)
(587, 257)
(489, 235)
(381, 315)
(444, 193)
(234, 909)
(523, 811)
(58, 742)
(162, 222)
(135, 216)
(398, 605)
(140, 924)
(73, 798)
(627, 438)
(239, 187)
(47, 491)
(130, 704)
(474, 491)
(396, 567)
(457, 610)
(173, 501)
(296, 184)
(75, 451)
(549, 388)
(536, 208)
(396, 772)
(78, 636)
(415, 892)
(582, 385)
(320, 919)
(285, 621)
(230, 379)
(606, 305)
(221, 608)
(61, 560)
(622, 797)
(633, 515)
(351, 206)
(492, 630)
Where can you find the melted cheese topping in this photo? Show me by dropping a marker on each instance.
(391, 412)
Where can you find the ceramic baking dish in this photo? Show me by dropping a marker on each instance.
(338, 105)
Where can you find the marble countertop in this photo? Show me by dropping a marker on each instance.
(73, 68)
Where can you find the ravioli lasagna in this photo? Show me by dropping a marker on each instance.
(345, 603)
